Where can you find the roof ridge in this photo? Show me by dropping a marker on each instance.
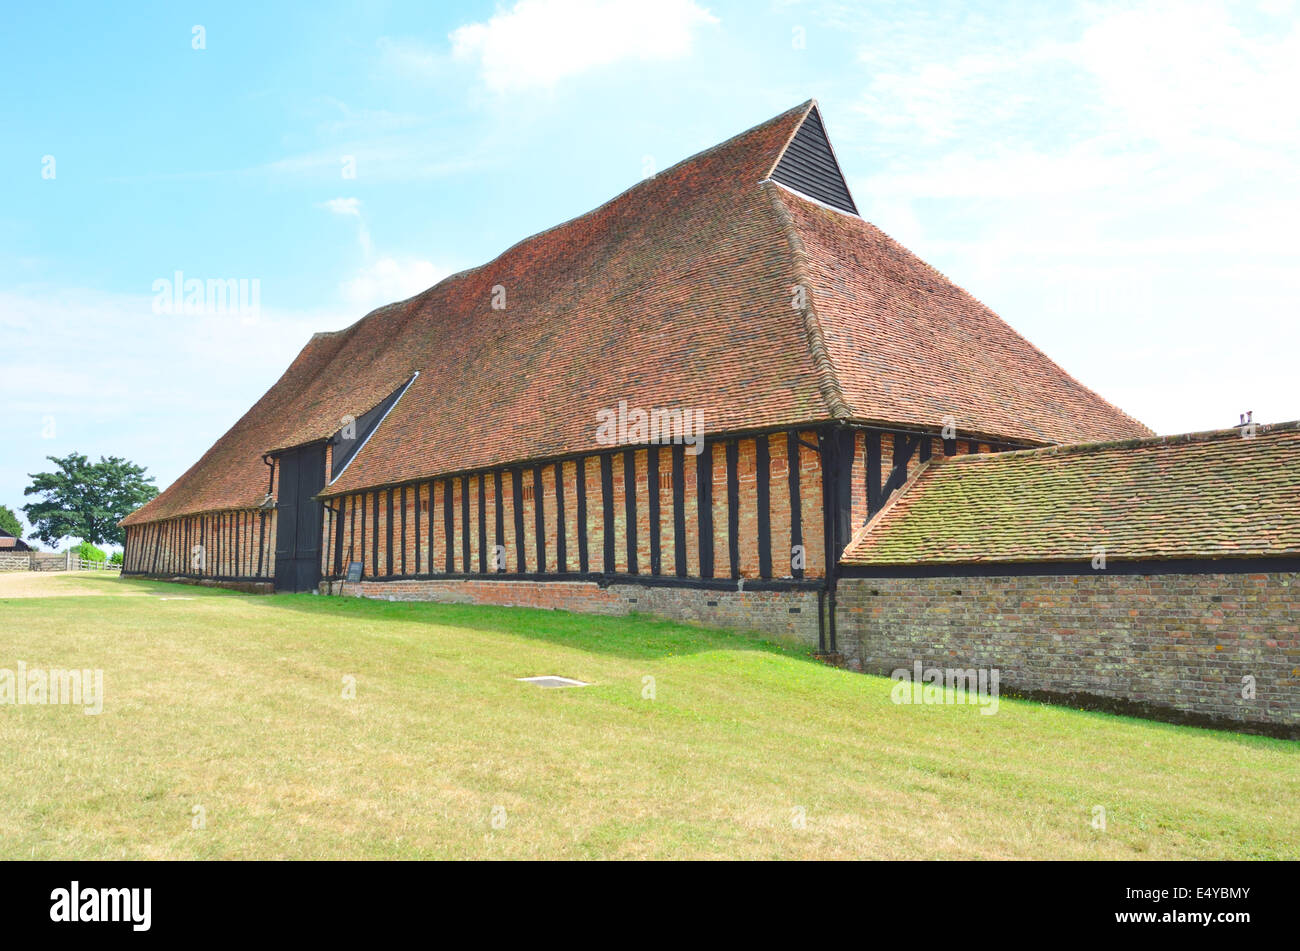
(827, 381)
(807, 108)
(717, 146)
(1174, 439)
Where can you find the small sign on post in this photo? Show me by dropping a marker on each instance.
(354, 571)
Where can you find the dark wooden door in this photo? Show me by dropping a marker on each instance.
(298, 518)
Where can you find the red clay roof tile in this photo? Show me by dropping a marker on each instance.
(676, 293)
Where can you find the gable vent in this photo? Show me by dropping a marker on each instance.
(808, 166)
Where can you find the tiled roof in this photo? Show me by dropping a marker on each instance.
(1201, 495)
(910, 347)
(676, 293)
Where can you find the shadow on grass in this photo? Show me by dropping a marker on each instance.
(633, 636)
(641, 636)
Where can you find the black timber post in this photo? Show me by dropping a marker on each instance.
(539, 518)
(704, 507)
(482, 524)
(763, 469)
(873, 472)
(733, 507)
(500, 521)
(652, 486)
(449, 525)
(629, 498)
(607, 510)
(517, 496)
(679, 509)
(464, 525)
(837, 448)
(561, 541)
(580, 488)
(793, 460)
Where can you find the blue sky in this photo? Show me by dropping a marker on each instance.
(1119, 181)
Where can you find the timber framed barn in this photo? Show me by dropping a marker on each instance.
(780, 369)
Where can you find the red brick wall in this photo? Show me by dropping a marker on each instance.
(1177, 643)
(786, 614)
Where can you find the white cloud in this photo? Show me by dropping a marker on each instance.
(344, 206)
(1122, 190)
(1181, 72)
(391, 279)
(537, 43)
(158, 389)
(386, 279)
(408, 58)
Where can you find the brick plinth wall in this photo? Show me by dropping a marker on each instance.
(1174, 646)
(786, 614)
(246, 585)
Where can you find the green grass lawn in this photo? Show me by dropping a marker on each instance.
(235, 704)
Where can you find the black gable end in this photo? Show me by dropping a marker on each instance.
(809, 166)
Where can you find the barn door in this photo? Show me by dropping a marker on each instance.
(298, 519)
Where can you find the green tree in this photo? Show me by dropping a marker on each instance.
(88, 552)
(9, 522)
(86, 500)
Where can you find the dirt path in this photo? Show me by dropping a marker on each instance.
(63, 584)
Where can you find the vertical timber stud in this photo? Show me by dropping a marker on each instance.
(482, 524)
(338, 541)
(539, 518)
(361, 553)
(837, 449)
(388, 533)
(763, 468)
(432, 520)
(402, 561)
(580, 486)
(500, 519)
(679, 509)
(448, 526)
(415, 531)
(517, 491)
(629, 496)
(873, 472)
(464, 524)
(374, 545)
(704, 507)
(842, 453)
(261, 542)
(794, 459)
(561, 543)
(733, 507)
(652, 486)
(926, 446)
(607, 509)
